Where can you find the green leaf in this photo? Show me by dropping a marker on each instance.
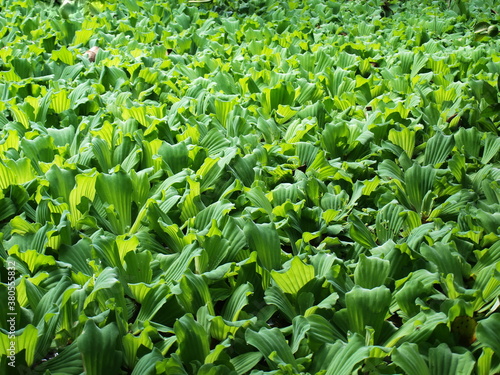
(25, 339)
(389, 222)
(222, 109)
(237, 301)
(271, 98)
(275, 296)
(404, 139)
(438, 148)
(211, 369)
(217, 250)
(257, 197)
(137, 266)
(147, 364)
(246, 362)
(131, 344)
(410, 360)
(61, 182)
(115, 190)
(367, 307)
(154, 299)
(85, 188)
(371, 272)
(68, 361)
(339, 82)
(488, 332)
(445, 259)
(264, 239)
(113, 77)
(193, 340)
(40, 149)
(419, 181)
(193, 292)
(443, 361)
(107, 250)
(491, 147)
(418, 328)
(191, 203)
(468, 141)
(360, 233)
(346, 358)
(269, 341)
(33, 259)
(98, 347)
(175, 156)
(295, 277)
(213, 214)
(64, 55)
(300, 327)
(175, 266)
(106, 287)
(419, 61)
(484, 362)
(335, 138)
(60, 101)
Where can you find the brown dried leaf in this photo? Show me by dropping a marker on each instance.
(91, 53)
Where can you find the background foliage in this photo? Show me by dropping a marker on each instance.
(251, 187)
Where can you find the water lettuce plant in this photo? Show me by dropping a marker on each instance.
(258, 187)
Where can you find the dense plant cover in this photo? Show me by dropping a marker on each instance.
(280, 187)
